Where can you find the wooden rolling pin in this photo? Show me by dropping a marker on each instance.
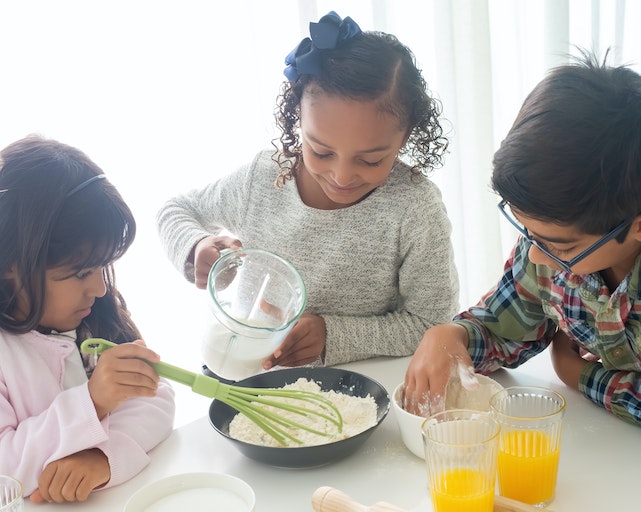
(328, 499)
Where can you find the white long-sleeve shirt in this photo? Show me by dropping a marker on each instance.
(379, 272)
(41, 421)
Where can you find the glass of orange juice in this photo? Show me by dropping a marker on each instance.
(461, 449)
(529, 443)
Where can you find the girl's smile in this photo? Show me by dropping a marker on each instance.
(349, 149)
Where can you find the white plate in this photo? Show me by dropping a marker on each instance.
(192, 491)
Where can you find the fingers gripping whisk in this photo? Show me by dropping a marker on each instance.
(279, 412)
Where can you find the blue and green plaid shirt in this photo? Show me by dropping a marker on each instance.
(518, 318)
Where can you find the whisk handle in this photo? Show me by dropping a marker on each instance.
(95, 346)
(199, 383)
(210, 387)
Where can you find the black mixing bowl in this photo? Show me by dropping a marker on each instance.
(343, 381)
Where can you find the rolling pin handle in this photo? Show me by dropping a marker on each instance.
(328, 499)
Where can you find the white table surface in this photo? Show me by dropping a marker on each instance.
(599, 468)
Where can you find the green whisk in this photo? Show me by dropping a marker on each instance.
(251, 402)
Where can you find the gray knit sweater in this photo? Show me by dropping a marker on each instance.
(379, 272)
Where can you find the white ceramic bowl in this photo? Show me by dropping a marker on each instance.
(193, 491)
(456, 397)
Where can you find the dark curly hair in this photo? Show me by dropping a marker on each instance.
(370, 66)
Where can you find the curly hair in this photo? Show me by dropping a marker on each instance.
(373, 66)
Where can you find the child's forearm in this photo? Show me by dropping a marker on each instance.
(567, 362)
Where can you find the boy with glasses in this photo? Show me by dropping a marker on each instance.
(569, 175)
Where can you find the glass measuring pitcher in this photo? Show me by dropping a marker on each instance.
(256, 297)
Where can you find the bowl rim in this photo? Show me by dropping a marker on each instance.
(166, 486)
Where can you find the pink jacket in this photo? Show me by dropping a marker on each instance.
(41, 422)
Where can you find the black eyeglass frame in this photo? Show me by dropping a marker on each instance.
(565, 265)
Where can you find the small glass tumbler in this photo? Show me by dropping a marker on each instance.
(10, 494)
(461, 448)
(530, 442)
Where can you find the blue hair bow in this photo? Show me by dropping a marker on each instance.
(330, 32)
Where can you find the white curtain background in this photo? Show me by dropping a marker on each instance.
(169, 95)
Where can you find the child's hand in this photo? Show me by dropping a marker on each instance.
(206, 252)
(72, 478)
(121, 374)
(442, 350)
(303, 345)
(566, 359)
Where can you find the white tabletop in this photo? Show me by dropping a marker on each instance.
(599, 468)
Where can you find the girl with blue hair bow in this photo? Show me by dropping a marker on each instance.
(345, 198)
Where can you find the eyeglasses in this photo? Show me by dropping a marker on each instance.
(565, 265)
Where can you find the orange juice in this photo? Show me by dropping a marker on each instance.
(527, 466)
(463, 490)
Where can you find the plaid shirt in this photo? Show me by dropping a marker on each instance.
(518, 318)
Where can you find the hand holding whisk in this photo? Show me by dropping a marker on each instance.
(261, 405)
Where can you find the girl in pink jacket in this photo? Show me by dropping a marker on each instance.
(68, 423)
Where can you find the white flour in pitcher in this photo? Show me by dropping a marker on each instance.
(359, 414)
